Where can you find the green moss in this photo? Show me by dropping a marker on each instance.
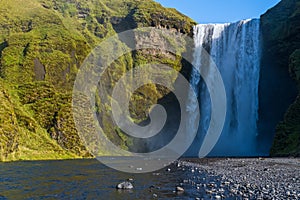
(287, 138)
(21, 136)
(42, 46)
(280, 28)
(295, 65)
(149, 13)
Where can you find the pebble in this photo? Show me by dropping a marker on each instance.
(208, 191)
(226, 183)
(179, 189)
(254, 179)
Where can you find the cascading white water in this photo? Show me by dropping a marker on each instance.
(235, 49)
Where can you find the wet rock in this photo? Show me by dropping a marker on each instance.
(209, 191)
(152, 186)
(125, 186)
(211, 185)
(179, 189)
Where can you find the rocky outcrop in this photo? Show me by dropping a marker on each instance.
(280, 78)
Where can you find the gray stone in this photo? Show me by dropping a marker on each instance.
(179, 189)
(125, 186)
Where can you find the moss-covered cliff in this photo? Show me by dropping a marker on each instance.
(43, 44)
(281, 77)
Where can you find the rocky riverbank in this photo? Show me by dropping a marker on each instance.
(245, 178)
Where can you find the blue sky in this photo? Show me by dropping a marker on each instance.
(220, 11)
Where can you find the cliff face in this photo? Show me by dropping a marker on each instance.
(43, 44)
(280, 77)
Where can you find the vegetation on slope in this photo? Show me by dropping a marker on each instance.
(43, 44)
(22, 136)
(281, 28)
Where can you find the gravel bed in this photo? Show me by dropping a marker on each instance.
(248, 178)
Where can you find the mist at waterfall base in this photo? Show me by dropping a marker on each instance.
(235, 49)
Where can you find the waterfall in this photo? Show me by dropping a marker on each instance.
(235, 49)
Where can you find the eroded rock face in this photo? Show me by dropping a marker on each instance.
(39, 70)
(279, 79)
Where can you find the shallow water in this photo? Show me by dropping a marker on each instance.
(89, 179)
